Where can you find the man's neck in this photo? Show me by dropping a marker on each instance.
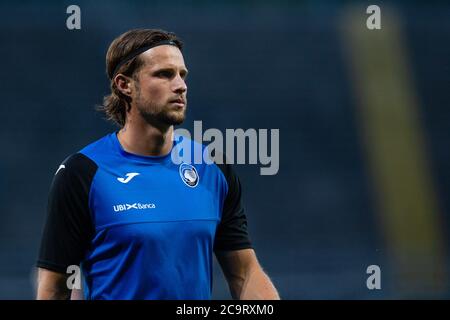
(144, 139)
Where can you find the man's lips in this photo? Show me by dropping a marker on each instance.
(178, 101)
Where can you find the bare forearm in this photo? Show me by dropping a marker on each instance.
(255, 286)
(52, 286)
(44, 294)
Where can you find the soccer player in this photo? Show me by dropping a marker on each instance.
(140, 225)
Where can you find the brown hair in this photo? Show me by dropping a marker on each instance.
(116, 104)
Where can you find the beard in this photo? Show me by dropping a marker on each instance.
(165, 116)
(160, 115)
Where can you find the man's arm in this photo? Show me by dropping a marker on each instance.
(68, 228)
(246, 279)
(52, 285)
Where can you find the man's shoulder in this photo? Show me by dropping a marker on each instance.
(76, 162)
(76, 165)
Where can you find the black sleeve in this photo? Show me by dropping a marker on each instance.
(232, 233)
(68, 228)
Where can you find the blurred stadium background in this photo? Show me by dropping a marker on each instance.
(363, 116)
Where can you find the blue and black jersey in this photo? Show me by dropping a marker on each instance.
(141, 227)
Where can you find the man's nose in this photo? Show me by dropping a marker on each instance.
(179, 85)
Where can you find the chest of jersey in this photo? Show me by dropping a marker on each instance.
(155, 193)
(155, 223)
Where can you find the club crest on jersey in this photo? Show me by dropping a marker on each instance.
(189, 175)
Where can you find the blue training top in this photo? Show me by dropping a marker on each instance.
(141, 227)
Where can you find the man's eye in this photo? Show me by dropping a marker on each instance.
(165, 74)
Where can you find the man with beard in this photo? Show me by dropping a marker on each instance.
(141, 226)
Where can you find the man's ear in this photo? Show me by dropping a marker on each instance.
(123, 84)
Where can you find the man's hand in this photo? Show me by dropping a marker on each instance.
(246, 279)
